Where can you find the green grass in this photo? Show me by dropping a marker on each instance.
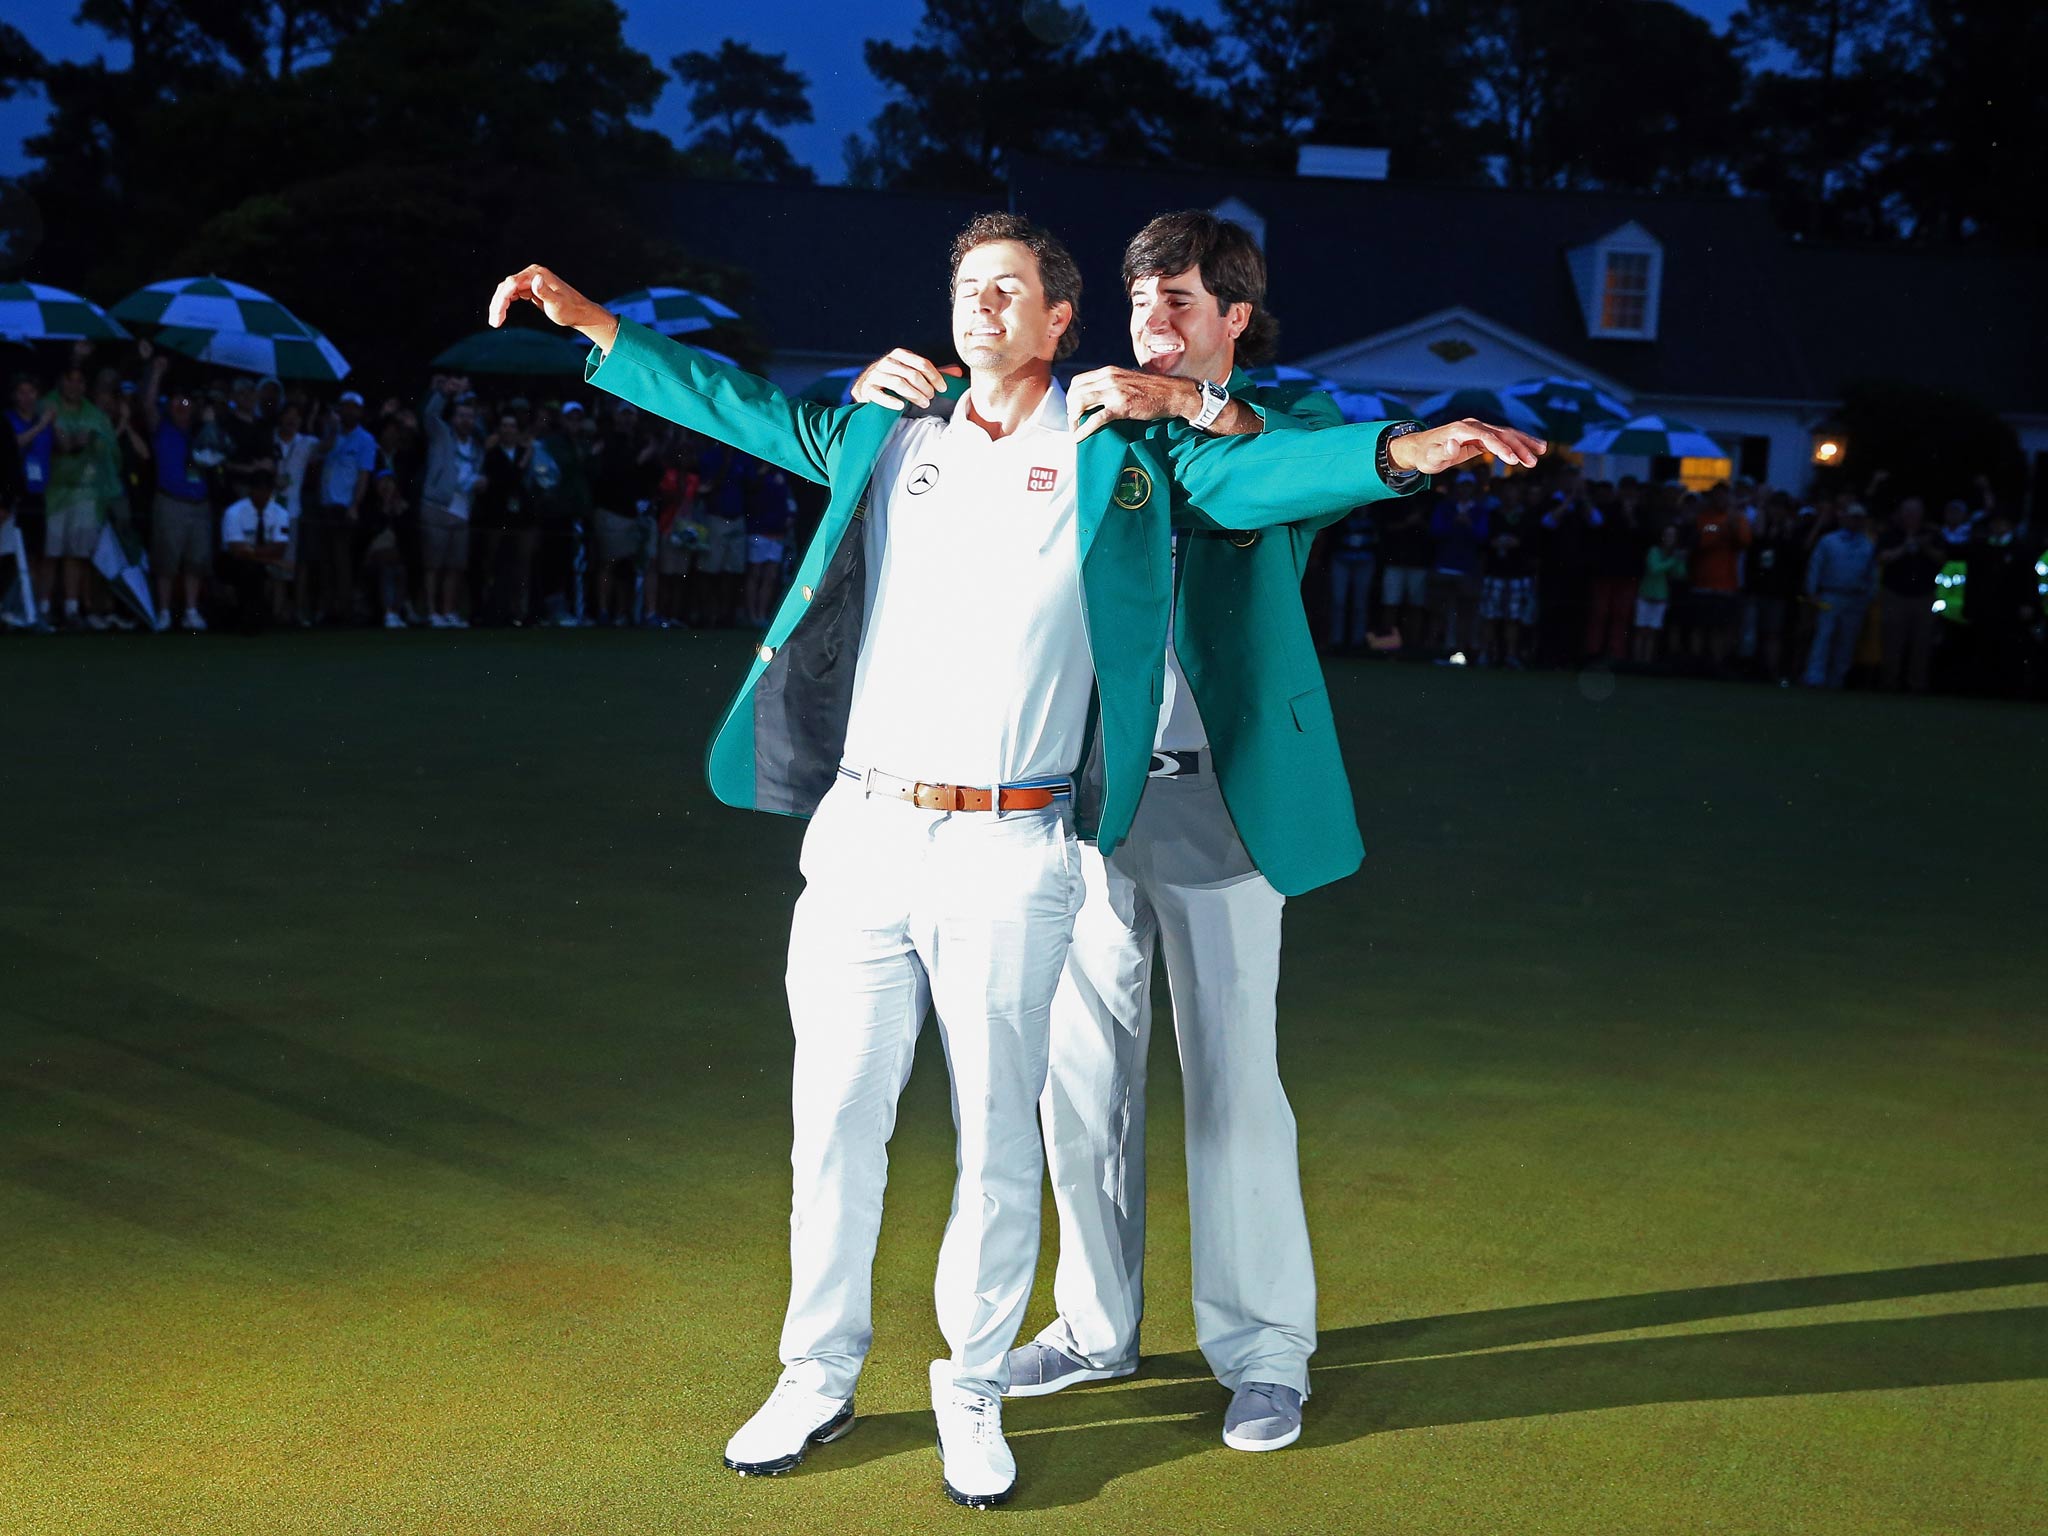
(393, 1117)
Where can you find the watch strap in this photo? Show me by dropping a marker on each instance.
(1397, 479)
(1214, 399)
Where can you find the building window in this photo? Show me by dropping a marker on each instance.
(1625, 294)
(1702, 474)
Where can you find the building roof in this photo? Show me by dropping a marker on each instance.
(1745, 313)
(1975, 322)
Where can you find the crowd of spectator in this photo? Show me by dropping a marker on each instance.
(1546, 568)
(258, 503)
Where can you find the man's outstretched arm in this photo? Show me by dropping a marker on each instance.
(1291, 477)
(682, 385)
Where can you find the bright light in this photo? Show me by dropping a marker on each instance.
(1457, 658)
(1826, 450)
(1940, 605)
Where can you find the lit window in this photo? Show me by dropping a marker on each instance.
(1703, 474)
(1625, 298)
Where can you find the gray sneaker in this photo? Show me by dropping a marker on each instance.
(1262, 1417)
(1036, 1369)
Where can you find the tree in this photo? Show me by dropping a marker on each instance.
(371, 165)
(1280, 73)
(972, 89)
(1971, 160)
(1932, 443)
(1568, 102)
(1827, 89)
(20, 64)
(738, 97)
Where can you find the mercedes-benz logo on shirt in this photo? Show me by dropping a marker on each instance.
(922, 478)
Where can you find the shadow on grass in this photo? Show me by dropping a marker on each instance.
(190, 1045)
(1418, 1373)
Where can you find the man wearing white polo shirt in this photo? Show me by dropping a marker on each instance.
(1244, 806)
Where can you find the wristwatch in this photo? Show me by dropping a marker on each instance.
(1397, 479)
(1214, 398)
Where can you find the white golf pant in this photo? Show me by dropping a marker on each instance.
(903, 908)
(1185, 878)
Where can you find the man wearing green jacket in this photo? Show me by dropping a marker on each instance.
(1240, 811)
(926, 693)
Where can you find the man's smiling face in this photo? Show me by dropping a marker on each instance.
(1178, 328)
(1001, 319)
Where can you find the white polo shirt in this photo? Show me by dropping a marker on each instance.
(241, 525)
(974, 666)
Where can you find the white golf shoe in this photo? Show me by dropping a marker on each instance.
(979, 1469)
(792, 1421)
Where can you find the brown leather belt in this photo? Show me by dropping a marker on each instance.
(953, 797)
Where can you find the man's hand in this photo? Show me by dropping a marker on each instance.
(902, 378)
(1125, 394)
(559, 302)
(1446, 447)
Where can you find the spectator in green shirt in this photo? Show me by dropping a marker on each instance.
(1663, 561)
(85, 475)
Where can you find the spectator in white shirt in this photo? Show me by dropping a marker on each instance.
(255, 539)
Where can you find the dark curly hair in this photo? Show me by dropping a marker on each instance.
(1056, 269)
(1233, 268)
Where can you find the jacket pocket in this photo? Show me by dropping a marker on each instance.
(1311, 711)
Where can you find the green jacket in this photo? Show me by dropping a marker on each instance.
(1243, 640)
(778, 746)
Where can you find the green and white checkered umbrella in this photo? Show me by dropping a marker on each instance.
(1652, 437)
(1355, 404)
(210, 304)
(1371, 405)
(1487, 405)
(834, 388)
(38, 312)
(671, 311)
(1569, 407)
(233, 325)
(520, 350)
(311, 356)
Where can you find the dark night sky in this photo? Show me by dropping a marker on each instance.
(822, 39)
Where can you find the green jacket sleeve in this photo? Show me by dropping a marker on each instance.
(1278, 477)
(682, 385)
(1307, 410)
(1311, 409)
